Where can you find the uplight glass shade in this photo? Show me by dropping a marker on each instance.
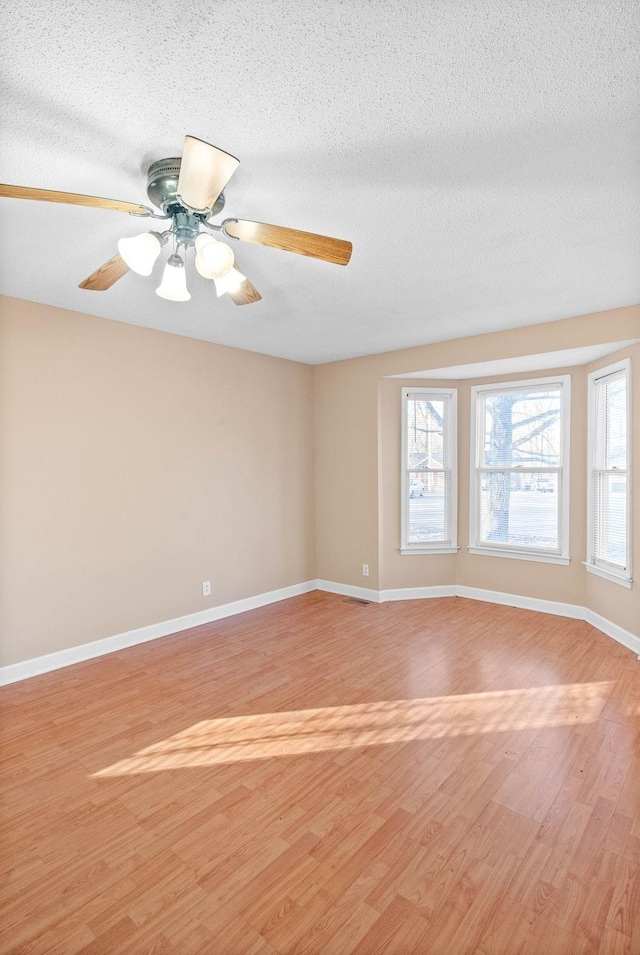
(140, 252)
(229, 282)
(174, 281)
(214, 259)
(203, 239)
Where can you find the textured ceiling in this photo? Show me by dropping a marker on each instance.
(480, 154)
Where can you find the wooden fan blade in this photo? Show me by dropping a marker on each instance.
(291, 240)
(106, 276)
(204, 172)
(71, 198)
(246, 293)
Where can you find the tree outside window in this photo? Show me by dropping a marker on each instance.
(519, 469)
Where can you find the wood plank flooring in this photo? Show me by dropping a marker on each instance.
(444, 777)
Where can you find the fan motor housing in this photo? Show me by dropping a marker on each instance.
(162, 187)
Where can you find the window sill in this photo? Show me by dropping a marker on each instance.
(610, 575)
(520, 555)
(410, 551)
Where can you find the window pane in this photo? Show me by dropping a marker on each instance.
(429, 507)
(520, 509)
(611, 423)
(425, 430)
(523, 428)
(610, 525)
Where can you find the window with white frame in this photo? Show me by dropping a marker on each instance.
(429, 487)
(608, 478)
(520, 470)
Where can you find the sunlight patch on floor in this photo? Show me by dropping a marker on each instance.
(299, 732)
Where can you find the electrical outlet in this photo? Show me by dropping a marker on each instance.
(365, 570)
(206, 588)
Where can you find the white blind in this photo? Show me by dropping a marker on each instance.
(609, 471)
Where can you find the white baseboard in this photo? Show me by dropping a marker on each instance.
(347, 590)
(419, 593)
(524, 603)
(98, 648)
(627, 639)
(554, 607)
(619, 634)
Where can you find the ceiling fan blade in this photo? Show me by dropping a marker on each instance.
(245, 293)
(106, 276)
(71, 198)
(290, 240)
(204, 172)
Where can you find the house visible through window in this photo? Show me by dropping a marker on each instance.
(608, 503)
(429, 493)
(519, 481)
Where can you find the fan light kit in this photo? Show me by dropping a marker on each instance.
(189, 192)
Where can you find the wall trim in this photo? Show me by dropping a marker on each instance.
(627, 639)
(419, 593)
(348, 590)
(130, 638)
(554, 607)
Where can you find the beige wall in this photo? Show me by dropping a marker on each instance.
(358, 477)
(346, 437)
(136, 464)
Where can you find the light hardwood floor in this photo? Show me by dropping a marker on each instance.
(444, 777)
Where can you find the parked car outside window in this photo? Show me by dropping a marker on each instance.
(416, 488)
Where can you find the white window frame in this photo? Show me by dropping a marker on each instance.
(476, 546)
(450, 441)
(595, 565)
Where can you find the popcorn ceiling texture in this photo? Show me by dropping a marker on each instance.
(480, 154)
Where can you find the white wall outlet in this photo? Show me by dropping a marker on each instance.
(206, 588)
(365, 570)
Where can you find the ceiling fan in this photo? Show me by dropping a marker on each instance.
(189, 191)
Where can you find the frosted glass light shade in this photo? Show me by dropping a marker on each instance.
(140, 252)
(174, 281)
(203, 239)
(214, 259)
(229, 282)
